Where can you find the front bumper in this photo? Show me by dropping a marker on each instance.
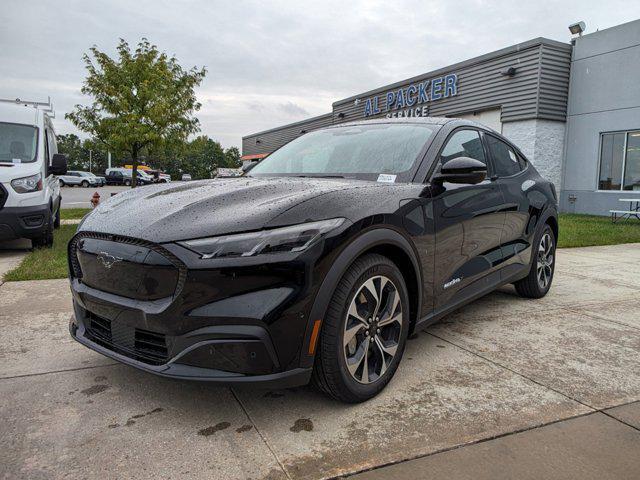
(224, 322)
(23, 222)
(175, 368)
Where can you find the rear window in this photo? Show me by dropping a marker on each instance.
(18, 143)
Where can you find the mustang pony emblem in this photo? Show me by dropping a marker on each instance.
(107, 259)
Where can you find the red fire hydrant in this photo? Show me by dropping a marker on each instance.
(95, 200)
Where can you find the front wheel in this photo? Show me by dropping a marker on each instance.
(538, 282)
(127, 183)
(365, 331)
(46, 239)
(85, 184)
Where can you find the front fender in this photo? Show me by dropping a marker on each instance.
(358, 246)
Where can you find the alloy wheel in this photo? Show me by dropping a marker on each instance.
(545, 261)
(372, 329)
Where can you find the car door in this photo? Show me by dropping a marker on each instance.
(469, 219)
(515, 181)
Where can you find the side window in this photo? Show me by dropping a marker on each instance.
(53, 145)
(463, 143)
(47, 153)
(505, 160)
(522, 161)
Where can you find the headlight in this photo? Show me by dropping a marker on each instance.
(287, 239)
(27, 184)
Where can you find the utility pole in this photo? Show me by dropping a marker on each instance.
(109, 159)
(89, 161)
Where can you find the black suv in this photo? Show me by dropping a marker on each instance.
(319, 262)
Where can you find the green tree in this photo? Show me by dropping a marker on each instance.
(201, 157)
(71, 145)
(232, 157)
(140, 100)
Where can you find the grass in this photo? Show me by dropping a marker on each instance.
(575, 231)
(590, 230)
(73, 213)
(45, 263)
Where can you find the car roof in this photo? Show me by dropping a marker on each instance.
(19, 113)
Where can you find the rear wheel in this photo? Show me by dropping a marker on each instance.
(538, 282)
(364, 332)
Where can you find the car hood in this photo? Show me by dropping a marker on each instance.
(170, 212)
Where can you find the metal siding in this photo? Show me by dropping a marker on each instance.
(480, 87)
(273, 139)
(555, 64)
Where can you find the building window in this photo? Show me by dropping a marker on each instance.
(620, 161)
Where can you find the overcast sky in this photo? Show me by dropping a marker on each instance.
(271, 63)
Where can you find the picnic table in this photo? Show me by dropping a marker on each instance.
(634, 210)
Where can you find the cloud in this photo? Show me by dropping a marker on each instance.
(292, 109)
(271, 63)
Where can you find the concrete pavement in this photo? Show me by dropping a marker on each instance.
(539, 388)
(11, 254)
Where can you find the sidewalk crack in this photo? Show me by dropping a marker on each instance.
(264, 440)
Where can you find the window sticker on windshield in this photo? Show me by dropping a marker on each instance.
(16, 160)
(386, 178)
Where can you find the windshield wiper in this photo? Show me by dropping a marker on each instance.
(319, 176)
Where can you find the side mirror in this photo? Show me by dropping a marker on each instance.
(462, 170)
(58, 164)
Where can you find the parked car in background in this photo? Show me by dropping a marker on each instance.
(29, 161)
(122, 176)
(83, 179)
(229, 172)
(186, 177)
(318, 264)
(158, 176)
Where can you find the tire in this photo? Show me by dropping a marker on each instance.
(538, 282)
(85, 184)
(127, 183)
(56, 219)
(331, 373)
(46, 239)
(61, 182)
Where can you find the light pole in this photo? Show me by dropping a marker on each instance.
(89, 160)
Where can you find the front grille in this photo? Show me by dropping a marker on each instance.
(140, 281)
(138, 344)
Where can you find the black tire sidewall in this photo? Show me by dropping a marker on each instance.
(85, 184)
(368, 390)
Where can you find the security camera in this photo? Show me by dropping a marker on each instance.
(508, 72)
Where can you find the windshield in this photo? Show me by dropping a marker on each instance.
(357, 150)
(18, 143)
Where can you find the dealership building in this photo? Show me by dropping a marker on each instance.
(572, 108)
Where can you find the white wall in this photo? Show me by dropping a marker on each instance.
(542, 141)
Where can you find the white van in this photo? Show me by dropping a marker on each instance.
(29, 160)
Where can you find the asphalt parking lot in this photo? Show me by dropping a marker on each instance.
(79, 197)
(503, 388)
